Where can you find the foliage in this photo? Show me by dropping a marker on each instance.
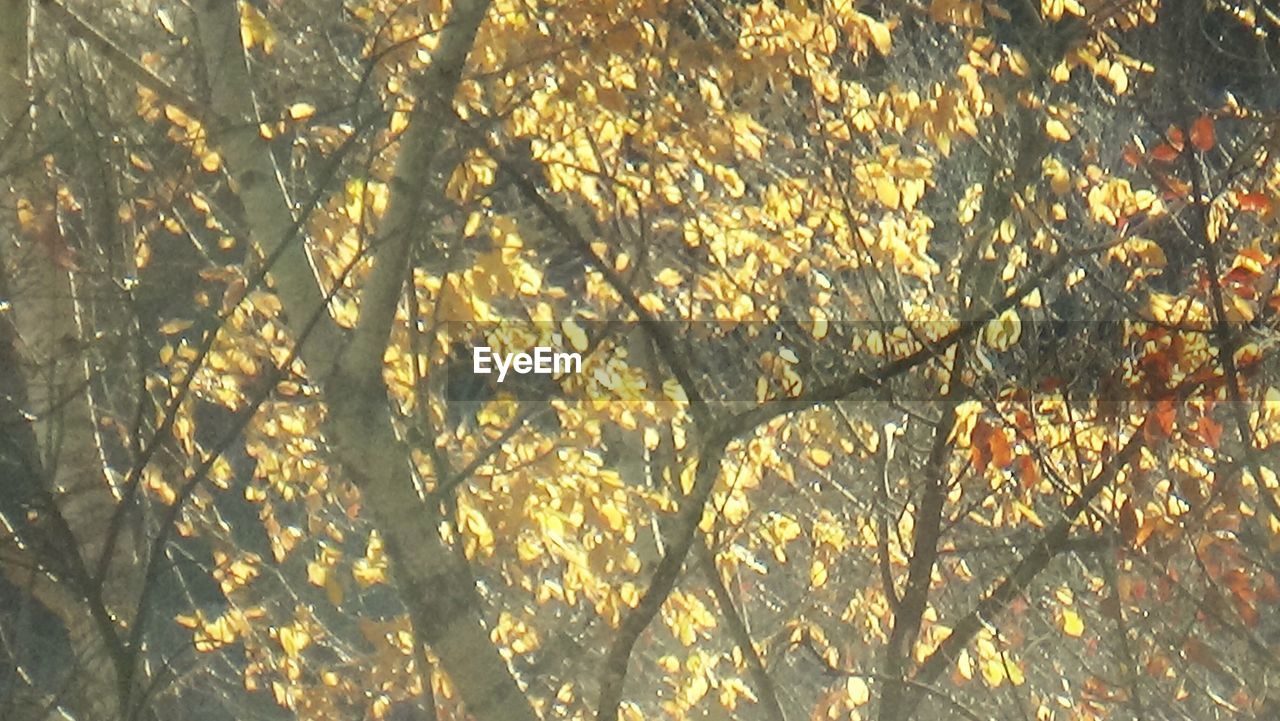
(928, 360)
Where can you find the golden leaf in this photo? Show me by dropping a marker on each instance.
(858, 690)
(669, 277)
(887, 193)
(1072, 624)
(1003, 332)
(301, 111)
(576, 336)
(817, 573)
(879, 33)
(820, 457)
(293, 640)
(1056, 130)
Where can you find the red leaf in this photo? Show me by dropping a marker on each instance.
(1157, 666)
(1174, 188)
(1165, 153)
(1132, 155)
(1198, 652)
(979, 445)
(1001, 453)
(1253, 202)
(1028, 472)
(1163, 417)
(1210, 431)
(1022, 420)
(1270, 591)
(1247, 612)
(1239, 583)
(1202, 133)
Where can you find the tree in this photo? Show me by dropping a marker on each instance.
(926, 349)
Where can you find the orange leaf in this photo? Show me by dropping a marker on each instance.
(1202, 133)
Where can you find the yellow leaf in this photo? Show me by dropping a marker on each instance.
(367, 574)
(175, 326)
(211, 162)
(669, 277)
(301, 111)
(1072, 625)
(964, 665)
(293, 640)
(993, 671)
(1057, 130)
(1028, 513)
(820, 324)
(1059, 178)
(612, 516)
(1119, 78)
(818, 574)
(399, 121)
(1018, 62)
(476, 523)
(1238, 309)
(1003, 332)
(255, 29)
(576, 335)
(821, 457)
(879, 33)
(1016, 676)
(887, 193)
(859, 692)
(317, 574)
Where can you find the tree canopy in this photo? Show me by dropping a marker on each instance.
(927, 360)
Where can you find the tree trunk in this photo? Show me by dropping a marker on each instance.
(434, 581)
(49, 419)
(15, 19)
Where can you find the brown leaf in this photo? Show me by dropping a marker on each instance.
(1128, 523)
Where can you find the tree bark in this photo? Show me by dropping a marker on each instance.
(435, 583)
(15, 19)
(50, 420)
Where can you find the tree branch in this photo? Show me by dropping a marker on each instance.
(910, 609)
(684, 529)
(1224, 336)
(122, 61)
(741, 635)
(863, 380)
(1055, 541)
(255, 181)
